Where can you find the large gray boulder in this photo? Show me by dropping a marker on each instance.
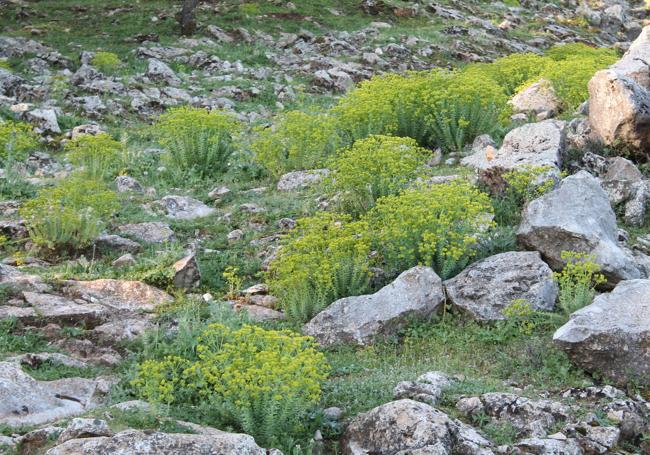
(26, 401)
(154, 443)
(577, 217)
(619, 98)
(532, 144)
(612, 335)
(538, 98)
(407, 427)
(415, 293)
(486, 288)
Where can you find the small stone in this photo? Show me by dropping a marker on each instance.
(219, 193)
(124, 184)
(235, 236)
(186, 273)
(125, 260)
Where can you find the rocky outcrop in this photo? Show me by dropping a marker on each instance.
(533, 144)
(611, 336)
(154, 443)
(148, 232)
(407, 427)
(416, 293)
(619, 99)
(26, 401)
(118, 294)
(486, 288)
(577, 217)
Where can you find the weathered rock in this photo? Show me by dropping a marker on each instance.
(486, 288)
(44, 121)
(577, 217)
(41, 309)
(548, 446)
(219, 193)
(186, 273)
(532, 144)
(149, 232)
(531, 418)
(184, 208)
(301, 179)
(611, 336)
(158, 71)
(9, 82)
(118, 294)
(538, 98)
(124, 184)
(595, 439)
(109, 243)
(258, 313)
(154, 443)
(407, 427)
(25, 401)
(417, 292)
(122, 329)
(17, 281)
(235, 236)
(85, 428)
(126, 260)
(427, 388)
(619, 98)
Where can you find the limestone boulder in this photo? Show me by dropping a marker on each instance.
(577, 216)
(416, 293)
(486, 288)
(611, 336)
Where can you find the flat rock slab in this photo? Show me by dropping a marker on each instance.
(486, 288)
(118, 294)
(26, 401)
(415, 293)
(612, 335)
(148, 232)
(49, 308)
(154, 443)
(184, 208)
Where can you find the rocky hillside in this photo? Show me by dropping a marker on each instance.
(325, 227)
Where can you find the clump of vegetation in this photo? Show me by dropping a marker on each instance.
(262, 382)
(99, 156)
(436, 108)
(69, 216)
(578, 281)
(436, 225)
(296, 141)
(196, 140)
(17, 139)
(323, 259)
(106, 62)
(372, 168)
(516, 188)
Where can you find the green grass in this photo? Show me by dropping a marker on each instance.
(50, 371)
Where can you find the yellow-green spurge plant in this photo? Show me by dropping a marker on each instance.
(70, 215)
(578, 280)
(371, 168)
(262, 382)
(98, 156)
(328, 256)
(17, 139)
(196, 140)
(445, 108)
(324, 258)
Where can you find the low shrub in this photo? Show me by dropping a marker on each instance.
(99, 156)
(436, 225)
(436, 108)
(69, 216)
(197, 141)
(16, 141)
(517, 188)
(262, 382)
(323, 259)
(371, 168)
(297, 141)
(577, 281)
(106, 62)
